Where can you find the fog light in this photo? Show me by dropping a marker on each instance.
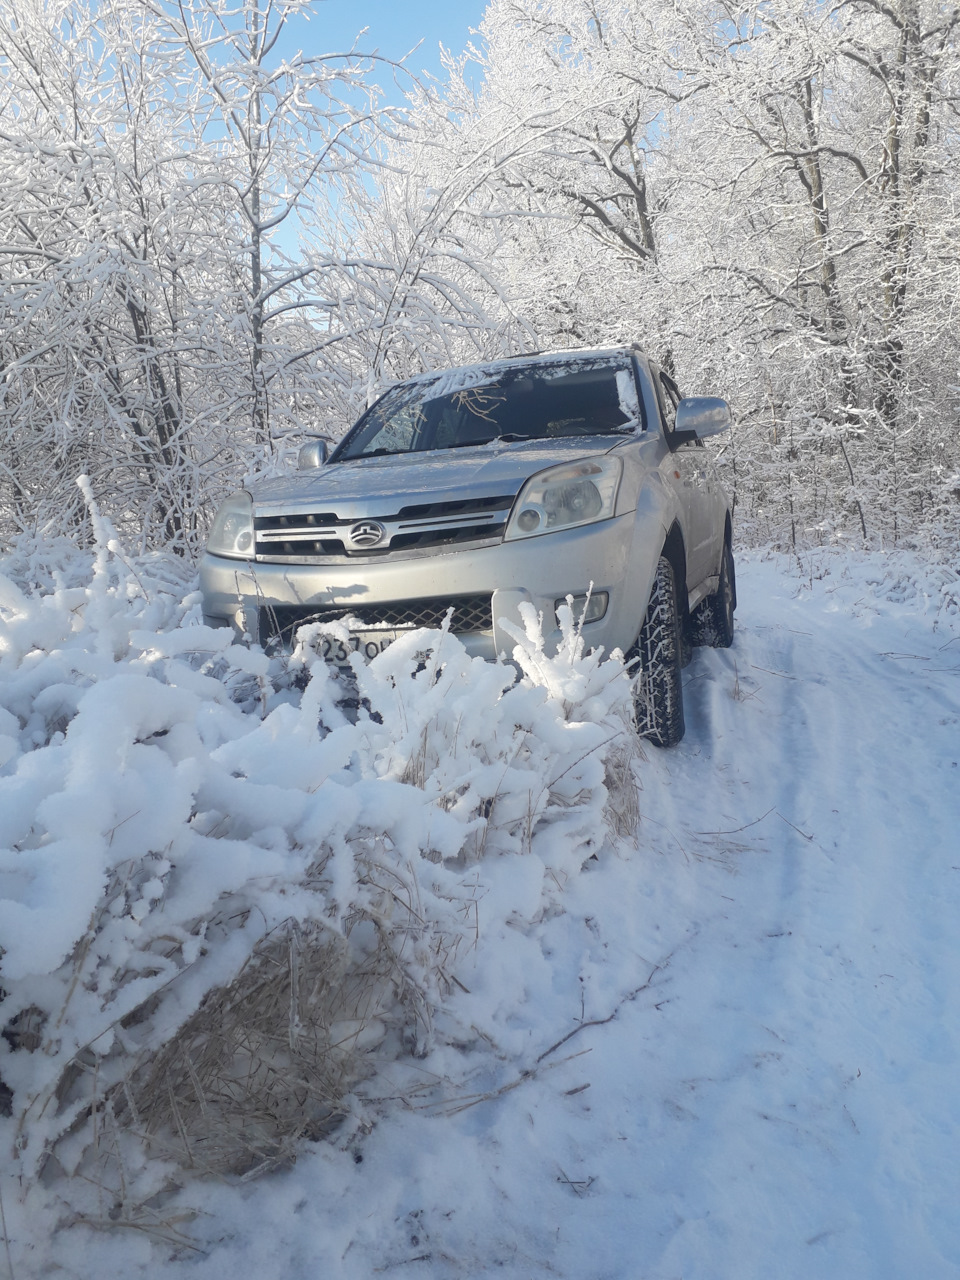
(586, 608)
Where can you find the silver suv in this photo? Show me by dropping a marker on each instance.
(578, 474)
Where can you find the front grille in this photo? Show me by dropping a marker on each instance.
(462, 507)
(299, 546)
(446, 537)
(426, 524)
(470, 613)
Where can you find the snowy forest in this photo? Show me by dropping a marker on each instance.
(216, 240)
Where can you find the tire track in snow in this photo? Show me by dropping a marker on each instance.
(826, 989)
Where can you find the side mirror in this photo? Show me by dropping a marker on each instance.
(313, 454)
(699, 416)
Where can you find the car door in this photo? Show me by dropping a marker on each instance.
(690, 474)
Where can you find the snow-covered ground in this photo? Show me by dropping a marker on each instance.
(727, 1052)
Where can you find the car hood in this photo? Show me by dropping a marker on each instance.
(378, 486)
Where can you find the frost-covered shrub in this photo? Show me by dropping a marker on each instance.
(222, 897)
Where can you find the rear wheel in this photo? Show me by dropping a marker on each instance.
(658, 695)
(713, 617)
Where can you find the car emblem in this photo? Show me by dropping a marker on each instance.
(367, 533)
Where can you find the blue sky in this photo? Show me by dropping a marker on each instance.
(394, 26)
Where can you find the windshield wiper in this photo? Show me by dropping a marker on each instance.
(508, 436)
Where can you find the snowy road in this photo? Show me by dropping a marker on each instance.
(778, 1092)
(815, 1042)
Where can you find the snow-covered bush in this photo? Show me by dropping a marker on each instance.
(224, 896)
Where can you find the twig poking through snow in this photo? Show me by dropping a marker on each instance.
(734, 830)
(6, 1238)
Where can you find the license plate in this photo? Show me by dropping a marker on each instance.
(367, 643)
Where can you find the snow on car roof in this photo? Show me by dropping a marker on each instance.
(462, 377)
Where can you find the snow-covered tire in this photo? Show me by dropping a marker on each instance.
(712, 621)
(658, 693)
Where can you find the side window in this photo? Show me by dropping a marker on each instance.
(669, 398)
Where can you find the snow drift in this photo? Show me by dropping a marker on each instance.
(223, 896)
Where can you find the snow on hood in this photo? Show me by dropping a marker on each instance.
(490, 470)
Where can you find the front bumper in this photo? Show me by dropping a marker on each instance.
(607, 556)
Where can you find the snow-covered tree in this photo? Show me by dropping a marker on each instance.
(764, 196)
(152, 299)
(208, 246)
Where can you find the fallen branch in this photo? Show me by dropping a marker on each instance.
(602, 1022)
(735, 830)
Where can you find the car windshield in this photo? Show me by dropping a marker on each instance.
(467, 407)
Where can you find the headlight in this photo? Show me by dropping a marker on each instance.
(566, 496)
(232, 531)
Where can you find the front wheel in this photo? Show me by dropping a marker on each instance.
(713, 618)
(658, 694)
